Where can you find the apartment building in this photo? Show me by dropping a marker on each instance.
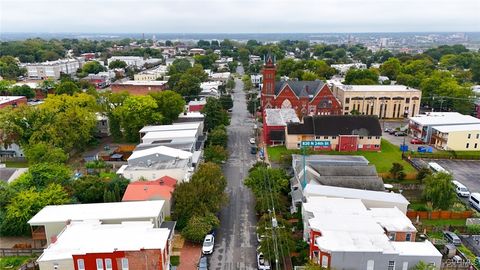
(384, 101)
(139, 87)
(152, 74)
(53, 69)
(84, 245)
(457, 137)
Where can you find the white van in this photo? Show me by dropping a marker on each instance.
(474, 200)
(461, 189)
(435, 167)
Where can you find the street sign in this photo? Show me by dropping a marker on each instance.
(314, 143)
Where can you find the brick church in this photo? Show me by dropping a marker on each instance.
(305, 97)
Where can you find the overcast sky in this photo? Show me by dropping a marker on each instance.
(238, 16)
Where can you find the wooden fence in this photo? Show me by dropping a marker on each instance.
(7, 252)
(412, 214)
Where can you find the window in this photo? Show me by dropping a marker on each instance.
(370, 265)
(124, 264)
(347, 108)
(361, 137)
(469, 136)
(391, 236)
(369, 137)
(408, 237)
(377, 137)
(467, 145)
(108, 264)
(80, 264)
(326, 137)
(391, 265)
(347, 100)
(324, 261)
(99, 264)
(334, 137)
(407, 100)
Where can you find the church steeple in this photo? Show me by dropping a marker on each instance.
(268, 88)
(269, 60)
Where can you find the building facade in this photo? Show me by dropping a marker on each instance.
(305, 97)
(384, 101)
(335, 132)
(12, 101)
(139, 88)
(457, 138)
(53, 69)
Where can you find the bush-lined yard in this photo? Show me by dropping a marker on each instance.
(382, 160)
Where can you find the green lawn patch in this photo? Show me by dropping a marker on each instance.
(13, 262)
(16, 164)
(382, 160)
(443, 222)
(470, 255)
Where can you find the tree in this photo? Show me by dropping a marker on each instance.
(230, 84)
(117, 64)
(23, 90)
(361, 76)
(199, 226)
(9, 68)
(439, 190)
(89, 189)
(170, 104)
(179, 66)
(309, 76)
(135, 113)
(198, 72)
(391, 68)
(43, 174)
(26, 204)
(216, 154)
(423, 173)
(188, 86)
(247, 83)
(397, 171)
(68, 87)
(280, 236)
(218, 136)
(203, 194)
(92, 67)
(227, 102)
(253, 105)
(42, 152)
(215, 115)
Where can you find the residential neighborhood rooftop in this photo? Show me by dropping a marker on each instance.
(182, 126)
(161, 150)
(377, 88)
(80, 238)
(453, 128)
(280, 117)
(100, 211)
(5, 99)
(444, 118)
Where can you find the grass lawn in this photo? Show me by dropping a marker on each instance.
(382, 160)
(16, 164)
(13, 262)
(443, 222)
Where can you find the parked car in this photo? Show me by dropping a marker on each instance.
(400, 134)
(387, 130)
(416, 141)
(262, 263)
(461, 189)
(452, 238)
(253, 150)
(260, 238)
(208, 244)
(229, 110)
(252, 140)
(202, 263)
(392, 131)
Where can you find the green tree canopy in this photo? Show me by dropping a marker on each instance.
(361, 76)
(42, 152)
(9, 68)
(391, 68)
(439, 190)
(215, 115)
(215, 153)
(188, 86)
(68, 87)
(93, 67)
(23, 90)
(170, 104)
(117, 64)
(179, 66)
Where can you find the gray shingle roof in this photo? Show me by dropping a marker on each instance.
(300, 88)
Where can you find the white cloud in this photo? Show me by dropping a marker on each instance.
(225, 16)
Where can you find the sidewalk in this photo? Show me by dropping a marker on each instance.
(189, 255)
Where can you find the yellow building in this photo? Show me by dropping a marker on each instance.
(457, 137)
(385, 101)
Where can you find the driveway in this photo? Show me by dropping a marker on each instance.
(465, 171)
(235, 243)
(398, 140)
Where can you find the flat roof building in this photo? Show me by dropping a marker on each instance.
(139, 87)
(51, 220)
(12, 101)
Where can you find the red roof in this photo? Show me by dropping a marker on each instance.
(160, 189)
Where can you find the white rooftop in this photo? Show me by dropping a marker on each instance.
(354, 242)
(162, 150)
(151, 83)
(99, 211)
(325, 205)
(159, 135)
(280, 117)
(191, 115)
(444, 118)
(5, 99)
(376, 88)
(80, 238)
(447, 129)
(392, 219)
(351, 193)
(197, 102)
(425, 248)
(182, 126)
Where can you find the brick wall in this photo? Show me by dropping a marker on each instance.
(14, 103)
(145, 259)
(137, 90)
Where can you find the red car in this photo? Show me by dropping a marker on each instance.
(416, 141)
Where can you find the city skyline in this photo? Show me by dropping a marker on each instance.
(234, 16)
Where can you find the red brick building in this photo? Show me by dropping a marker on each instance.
(13, 101)
(139, 88)
(305, 97)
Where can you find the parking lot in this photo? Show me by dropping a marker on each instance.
(399, 140)
(465, 171)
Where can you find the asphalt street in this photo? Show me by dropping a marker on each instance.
(235, 243)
